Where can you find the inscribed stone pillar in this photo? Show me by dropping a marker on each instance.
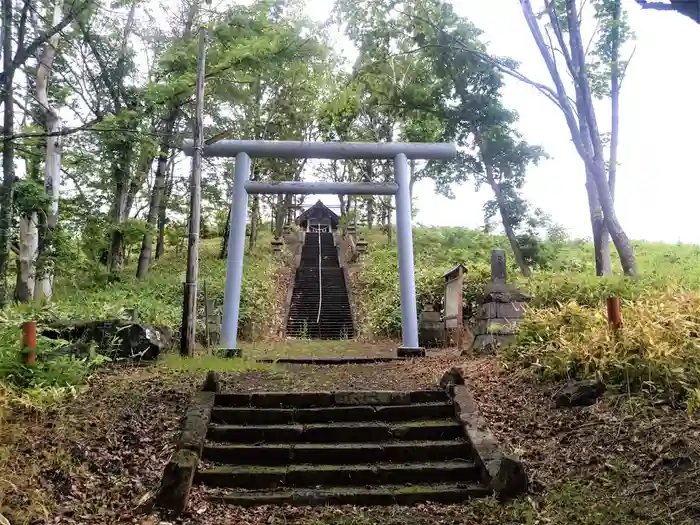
(498, 266)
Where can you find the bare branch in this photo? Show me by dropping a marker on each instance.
(21, 31)
(23, 53)
(623, 73)
(61, 133)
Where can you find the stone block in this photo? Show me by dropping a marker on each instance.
(490, 343)
(498, 266)
(410, 352)
(372, 398)
(454, 376)
(291, 399)
(211, 383)
(174, 491)
(501, 473)
(194, 426)
(493, 310)
(504, 293)
(487, 311)
(515, 310)
(579, 393)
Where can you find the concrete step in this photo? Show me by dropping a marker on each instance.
(300, 400)
(283, 416)
(337, 453)
(337, 432)
(362, 496)
(313, 475)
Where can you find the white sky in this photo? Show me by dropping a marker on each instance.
(658, 186)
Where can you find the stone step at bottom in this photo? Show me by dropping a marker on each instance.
(361, 496)
(313, 475)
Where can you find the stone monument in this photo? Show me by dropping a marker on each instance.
(502, 310)
(431, 327)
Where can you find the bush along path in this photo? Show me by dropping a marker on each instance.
(351, 447)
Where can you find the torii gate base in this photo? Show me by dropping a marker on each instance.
(243, 150)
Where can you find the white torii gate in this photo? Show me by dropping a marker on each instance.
(243, 150)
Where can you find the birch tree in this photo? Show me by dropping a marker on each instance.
(16, 50)
(52, 166)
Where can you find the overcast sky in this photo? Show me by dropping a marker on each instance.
(658, 187)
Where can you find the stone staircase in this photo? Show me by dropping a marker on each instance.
(335, 321)
(359, 448)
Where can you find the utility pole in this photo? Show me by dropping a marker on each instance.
(189, 308)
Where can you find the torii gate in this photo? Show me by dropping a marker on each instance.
(243, 150)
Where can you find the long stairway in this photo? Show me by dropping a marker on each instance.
(335, 320)
(317, 448)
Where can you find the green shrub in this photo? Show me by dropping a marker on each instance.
(88, 293)
(564, 272)
(656, 350)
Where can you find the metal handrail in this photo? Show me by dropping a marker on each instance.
(320, 296)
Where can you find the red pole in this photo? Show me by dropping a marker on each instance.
(29, 341)
(614, 313)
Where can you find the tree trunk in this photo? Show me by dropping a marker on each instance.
(8, 148)
(288, 210)
(120, 174)
(227, 231)
(28, 248)
(412, 178)
(502, 206)
(279, 217)
(156, 196)
(389, 227)
(254, 223)
(601, 238)
(162, 211)
(341, 201)
(615, 112)
(52, 167)
(144, 166)
(597, 163)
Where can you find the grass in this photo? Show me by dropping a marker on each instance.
(316, 348)
(204, 363)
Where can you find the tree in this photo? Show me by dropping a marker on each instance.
(16, 52)
(52, 164)
(419, 89)
(578, 110)
(582, 120)
(504, 159)
(167, 128)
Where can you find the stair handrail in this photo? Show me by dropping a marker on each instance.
(320, 293)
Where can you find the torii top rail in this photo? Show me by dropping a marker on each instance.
(242, 150)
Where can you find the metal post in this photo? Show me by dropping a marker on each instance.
(234, 263)
(409, 315)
